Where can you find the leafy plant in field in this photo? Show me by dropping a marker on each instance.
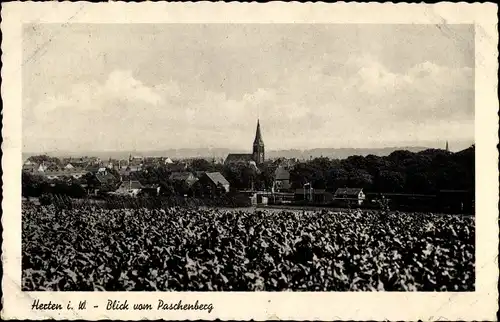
(91, 248)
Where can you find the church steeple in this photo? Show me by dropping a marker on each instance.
(447, 148)
(258, 146)
(258, 136)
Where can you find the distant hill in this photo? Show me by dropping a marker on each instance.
(336, 153)
(341, 153)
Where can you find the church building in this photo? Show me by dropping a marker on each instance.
(257, 156)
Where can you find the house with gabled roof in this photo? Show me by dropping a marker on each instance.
(349, 195)
(63, 174)
(106, 178)
(211, 184)
(131, 188)
(183, 176)
(216, 179)
(29, 167)
(281, 179)
(92, 168)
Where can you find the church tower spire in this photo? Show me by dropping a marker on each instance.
(258, 146)
(447, 148)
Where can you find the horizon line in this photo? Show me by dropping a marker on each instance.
(238, 150)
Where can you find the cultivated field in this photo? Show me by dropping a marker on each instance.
(177, 249)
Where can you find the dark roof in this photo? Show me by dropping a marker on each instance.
(217, 178)
(348, 191)
(105, 178)
(53, 167)
(182, 176)
(92, 168)
(151, 160)
(282, 174)
(239, 157)
(176, 166)
(199, 174)
(131, 185)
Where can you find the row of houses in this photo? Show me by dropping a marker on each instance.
(207, 183)
(77, 168)
(52, 171)
(210, 180)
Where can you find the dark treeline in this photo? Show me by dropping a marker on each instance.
(36, 185)
(424, 172)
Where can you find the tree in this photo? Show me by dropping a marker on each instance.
(91, 181)
(337, 177)
(301, 174)
(181, 188)
(390, 181)
(360, 178)
(241, 176)
(201, 165)
(32, 185)
(265, 178)
(355, 162)
(44, 159)
(77, 191)
(167, 189)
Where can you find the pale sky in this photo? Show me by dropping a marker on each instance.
(164, 86)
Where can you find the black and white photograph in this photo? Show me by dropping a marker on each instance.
(248, 157)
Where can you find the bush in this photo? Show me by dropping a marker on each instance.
(46, 199)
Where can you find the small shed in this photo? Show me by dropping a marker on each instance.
(131, 187)
(281, 179)
(151, 190)
(353, 196)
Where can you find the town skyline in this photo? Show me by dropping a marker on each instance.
(334, 153)
(160, 87)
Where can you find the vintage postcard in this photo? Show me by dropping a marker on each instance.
(250, 161)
